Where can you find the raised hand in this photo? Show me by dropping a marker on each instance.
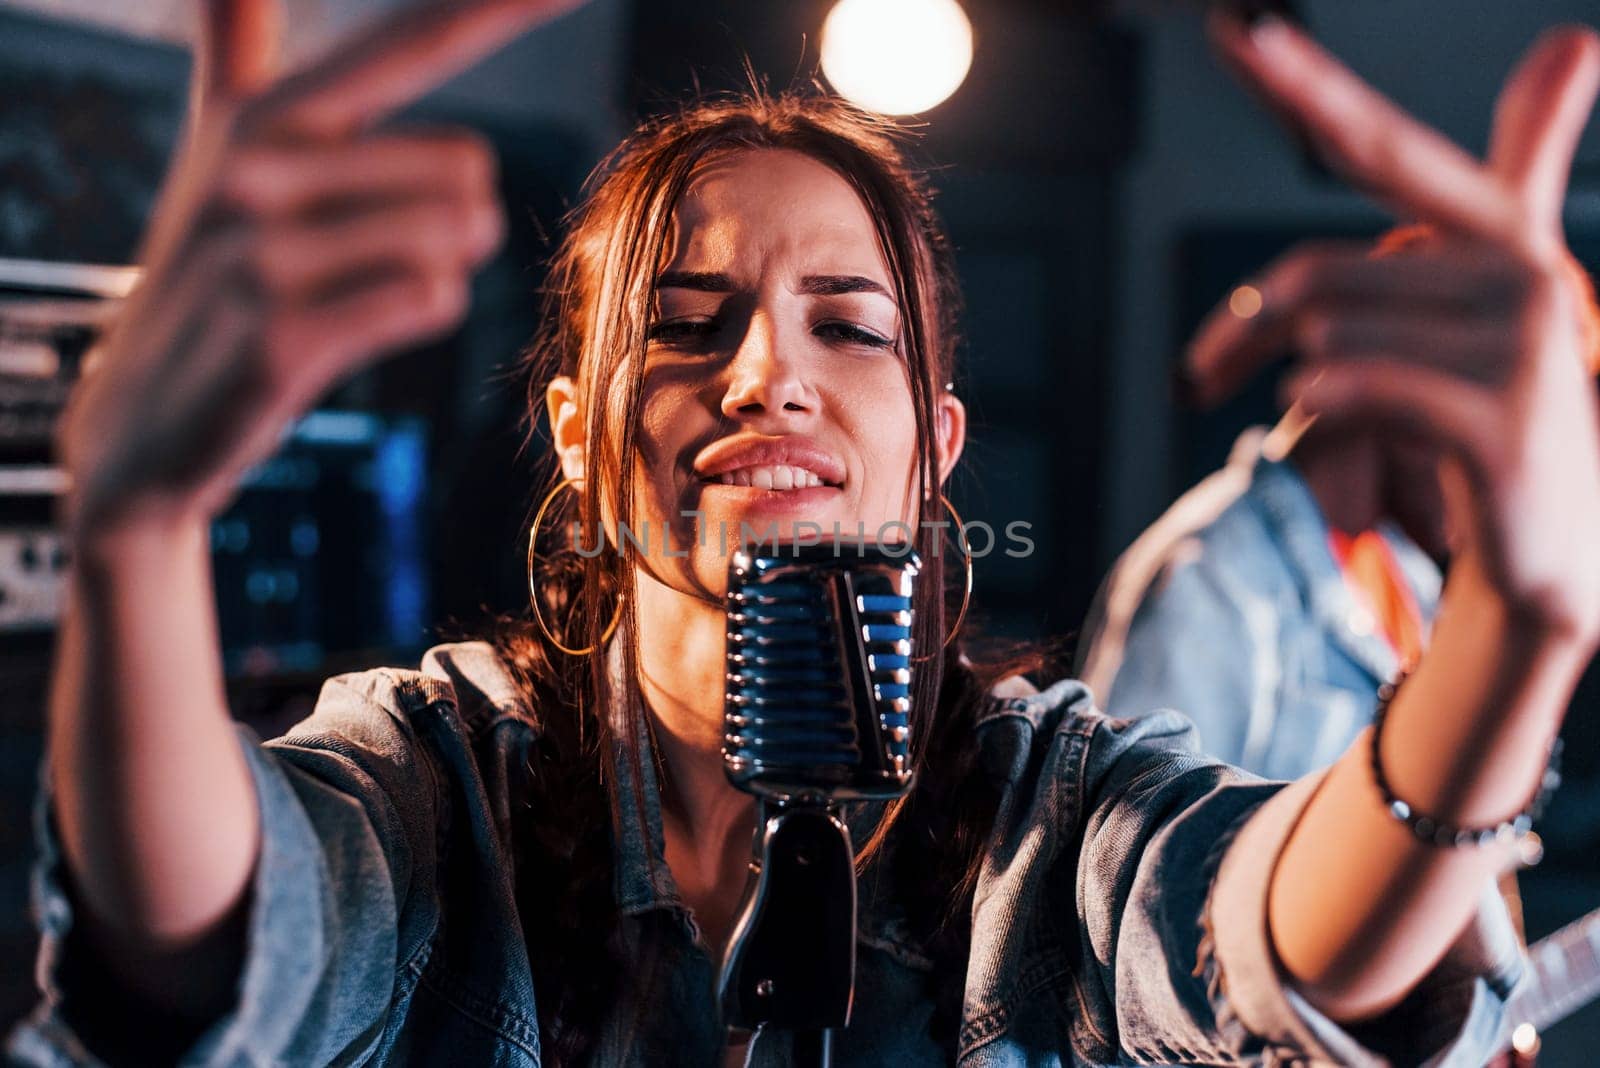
(293, 242)
(1471, 341)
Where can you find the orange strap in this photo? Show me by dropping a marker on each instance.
(1374, 576)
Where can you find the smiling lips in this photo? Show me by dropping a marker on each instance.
(771, 477)
(767, 463)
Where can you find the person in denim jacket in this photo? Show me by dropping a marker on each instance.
(1233, 607)
(1236, 607)
(526, 852)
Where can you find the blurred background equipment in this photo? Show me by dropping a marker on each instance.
(1103, 183)
(50, 314)
(323, 554)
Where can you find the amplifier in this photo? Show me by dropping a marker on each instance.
(50, 315)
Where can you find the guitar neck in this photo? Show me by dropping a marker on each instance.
(1566, 974)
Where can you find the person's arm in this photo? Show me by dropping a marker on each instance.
(154, 806)
(1359, 908)
(1474, 346)
(291, 245)
(1170, 875)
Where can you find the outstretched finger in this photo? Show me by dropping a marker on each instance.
(398, 61)
(306, 257)
(323, 342)
(1540, 117)
(1268, 319)
(237, 50)
(1399, 397)
(1474, 350)
(1372, 142)
(277, 181)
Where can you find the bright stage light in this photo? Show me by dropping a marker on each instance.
(896, 57)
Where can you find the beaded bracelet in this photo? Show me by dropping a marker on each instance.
(1437, 832)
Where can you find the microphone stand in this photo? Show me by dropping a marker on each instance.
(791, 960)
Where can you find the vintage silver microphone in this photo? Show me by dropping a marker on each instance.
(817, 714)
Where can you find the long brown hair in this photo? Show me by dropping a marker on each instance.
(598, 303)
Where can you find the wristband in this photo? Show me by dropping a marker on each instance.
(1437, 832)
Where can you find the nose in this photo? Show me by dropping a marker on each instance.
(762, 380)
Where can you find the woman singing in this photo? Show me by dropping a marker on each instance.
(527, 852)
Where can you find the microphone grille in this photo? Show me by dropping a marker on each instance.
(819, 668)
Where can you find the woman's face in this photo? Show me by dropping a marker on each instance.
(776, 402)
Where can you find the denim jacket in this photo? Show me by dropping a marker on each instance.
(1232, 608)
(1119, 916)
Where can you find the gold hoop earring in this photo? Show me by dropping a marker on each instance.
(966, 592)
(533, 590)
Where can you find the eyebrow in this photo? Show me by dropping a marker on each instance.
(816, 285)
(828, 285)
(701, 281)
